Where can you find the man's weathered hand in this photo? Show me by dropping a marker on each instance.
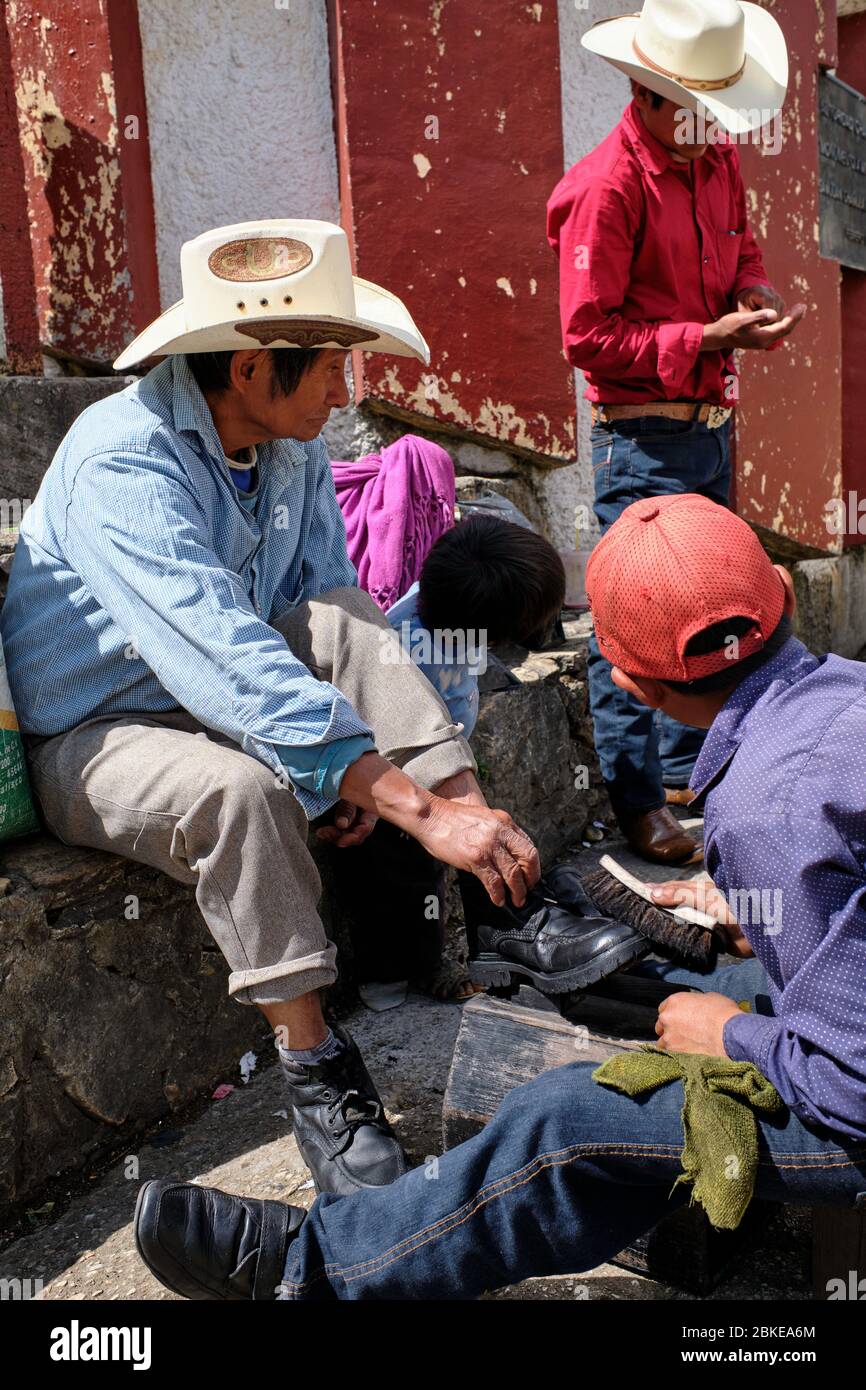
(694, 1022)
(756, 331)
(460, 832)
(486, 843)
(350, 825)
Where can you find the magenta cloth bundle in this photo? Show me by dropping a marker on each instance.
(395, 505)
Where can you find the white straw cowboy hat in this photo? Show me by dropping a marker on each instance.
(286, 283)
(730, 58)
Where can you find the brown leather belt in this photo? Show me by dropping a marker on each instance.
(713, 415)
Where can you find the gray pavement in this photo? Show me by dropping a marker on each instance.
(243, 1143)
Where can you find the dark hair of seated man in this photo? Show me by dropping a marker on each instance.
(212, 370)
(492, 576)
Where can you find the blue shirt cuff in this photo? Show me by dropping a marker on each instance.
(320, 768)
(749, 1037)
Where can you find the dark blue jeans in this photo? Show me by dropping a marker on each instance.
(642, 752)
(565, 1175)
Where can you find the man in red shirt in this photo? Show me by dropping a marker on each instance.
(660, 280)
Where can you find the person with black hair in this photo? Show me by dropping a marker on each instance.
(661, 279)
(484, 582)
(695, 619)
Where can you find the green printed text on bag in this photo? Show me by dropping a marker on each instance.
(17, 815)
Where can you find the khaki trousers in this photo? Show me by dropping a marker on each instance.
(166, 790)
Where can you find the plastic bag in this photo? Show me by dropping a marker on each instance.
(493, 504)
(17, 812)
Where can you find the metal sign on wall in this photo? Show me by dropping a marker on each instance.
(842, 167)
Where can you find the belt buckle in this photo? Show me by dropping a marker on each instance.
(718, 415)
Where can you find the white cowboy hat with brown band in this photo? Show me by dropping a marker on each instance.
(285, 283)
(728, 57)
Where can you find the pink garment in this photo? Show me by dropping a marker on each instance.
(395, 505)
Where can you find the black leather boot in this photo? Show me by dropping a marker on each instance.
(206, 1244)
(556, 949)
(339, 1122)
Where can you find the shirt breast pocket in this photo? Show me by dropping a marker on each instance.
(730, 245)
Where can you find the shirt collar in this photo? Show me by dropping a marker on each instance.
(191, 414)
(189, 407)
(789, 664)
(653, 155)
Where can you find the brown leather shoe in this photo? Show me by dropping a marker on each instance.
(679, 796)
(659, 837)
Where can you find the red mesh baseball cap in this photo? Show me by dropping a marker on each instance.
(670, 567)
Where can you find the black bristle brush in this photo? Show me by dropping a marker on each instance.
(683, 931)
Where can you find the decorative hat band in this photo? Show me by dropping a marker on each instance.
(696, 84)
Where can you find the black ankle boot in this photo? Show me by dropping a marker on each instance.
(206, 1244)
(339, 1123)
(543, 944)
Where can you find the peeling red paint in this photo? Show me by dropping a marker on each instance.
(455, 224)
(16, 264)
(87, 185)
(852, 69)
(789, 437)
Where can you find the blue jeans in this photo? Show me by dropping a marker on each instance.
(642, 751)
(565, 1175)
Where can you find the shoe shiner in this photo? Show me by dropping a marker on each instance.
(198, 674)
(661, 279)
(767, 1054)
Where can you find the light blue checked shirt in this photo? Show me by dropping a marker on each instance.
(141, 584)
(457, 683)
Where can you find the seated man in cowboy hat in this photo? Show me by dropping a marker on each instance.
(568, 1172)
(660, 280)
(197, 674)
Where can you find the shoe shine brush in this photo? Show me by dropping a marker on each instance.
(682, 930)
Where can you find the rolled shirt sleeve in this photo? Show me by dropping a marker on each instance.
(190, 619)
(321, 769)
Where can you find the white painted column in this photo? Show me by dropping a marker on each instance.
(594, 96)
(239, 107)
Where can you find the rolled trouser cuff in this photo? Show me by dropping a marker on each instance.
(431, 765)
(287, 980)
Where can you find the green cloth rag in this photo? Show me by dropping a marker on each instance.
(720, 1153)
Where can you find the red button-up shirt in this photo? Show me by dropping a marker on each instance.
(648, 254)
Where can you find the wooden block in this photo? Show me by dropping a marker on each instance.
(502, 1045)
(686, 1251)
(839, 1253)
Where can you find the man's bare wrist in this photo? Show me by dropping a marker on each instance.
(712, 339)
(406, 806)
(374, 784)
